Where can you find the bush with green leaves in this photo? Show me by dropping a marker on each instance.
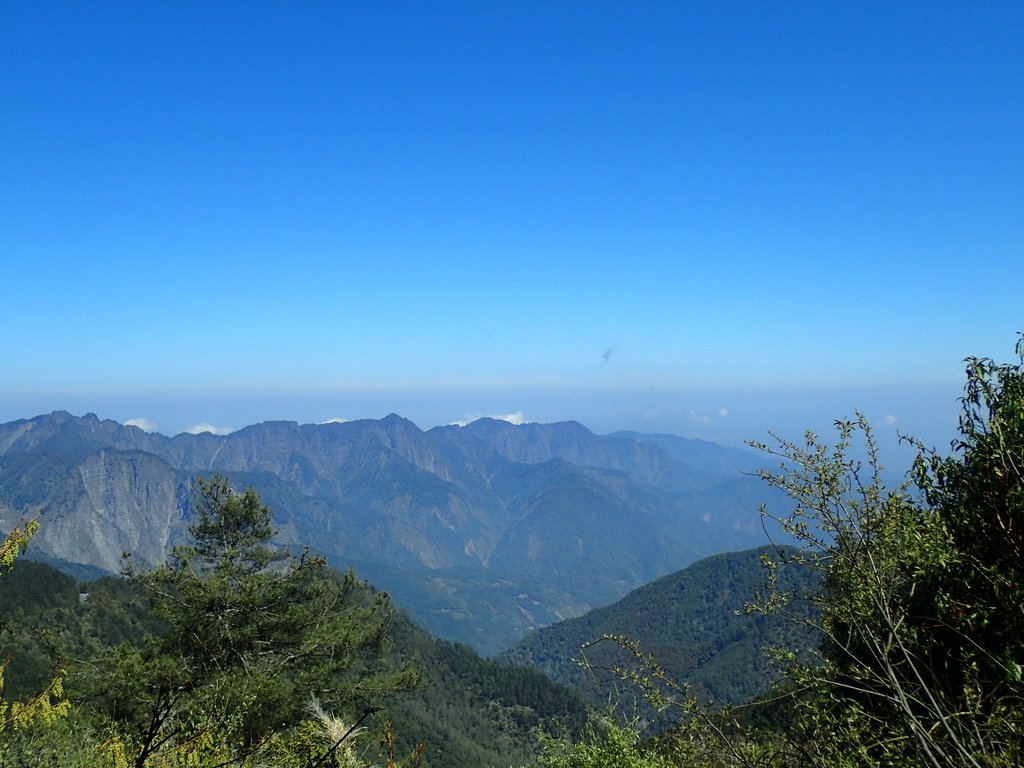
(922, 611)
(603, 744)
(919, 612)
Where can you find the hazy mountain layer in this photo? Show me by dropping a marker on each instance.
(482, 532)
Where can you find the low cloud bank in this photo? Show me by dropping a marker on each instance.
(142, 423)
(512, 418)
(207, 427)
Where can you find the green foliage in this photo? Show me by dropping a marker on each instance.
(980, 494)
(28, 585)
(919, 614)
(250, 633)
(473, 711)
(702, 736)
(15, 542)
(48, 705)
(68, 742)
(470, 712)
(604, 745)
(922, 622)
(322, 739)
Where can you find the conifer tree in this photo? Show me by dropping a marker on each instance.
(252, 632)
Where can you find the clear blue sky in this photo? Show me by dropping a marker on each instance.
(702, 218)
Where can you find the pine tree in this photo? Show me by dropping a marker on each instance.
(253, 631)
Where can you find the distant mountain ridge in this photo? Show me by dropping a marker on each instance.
(482, 532)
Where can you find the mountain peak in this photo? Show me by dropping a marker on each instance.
(55, 417)
(394, 420)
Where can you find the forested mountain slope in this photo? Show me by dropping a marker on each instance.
(693, 622)
(468, 712)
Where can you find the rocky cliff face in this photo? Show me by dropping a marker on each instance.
(584, 517)
(129, 502)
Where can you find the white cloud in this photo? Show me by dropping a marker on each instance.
(142, 423)
(512, 418)
(207, 427)
(335, 420)
(699, 418)
(705, 419)
(889, 420)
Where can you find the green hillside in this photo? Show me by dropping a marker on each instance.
(693, 622)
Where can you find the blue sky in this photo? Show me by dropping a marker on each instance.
(705, 219)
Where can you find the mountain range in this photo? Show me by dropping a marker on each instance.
(481, 532)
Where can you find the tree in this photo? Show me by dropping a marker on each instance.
(981, 496)
(922, 611)
(15, 542)
(253, 631)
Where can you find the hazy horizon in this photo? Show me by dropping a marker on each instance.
(728, 416)
(702, 219)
